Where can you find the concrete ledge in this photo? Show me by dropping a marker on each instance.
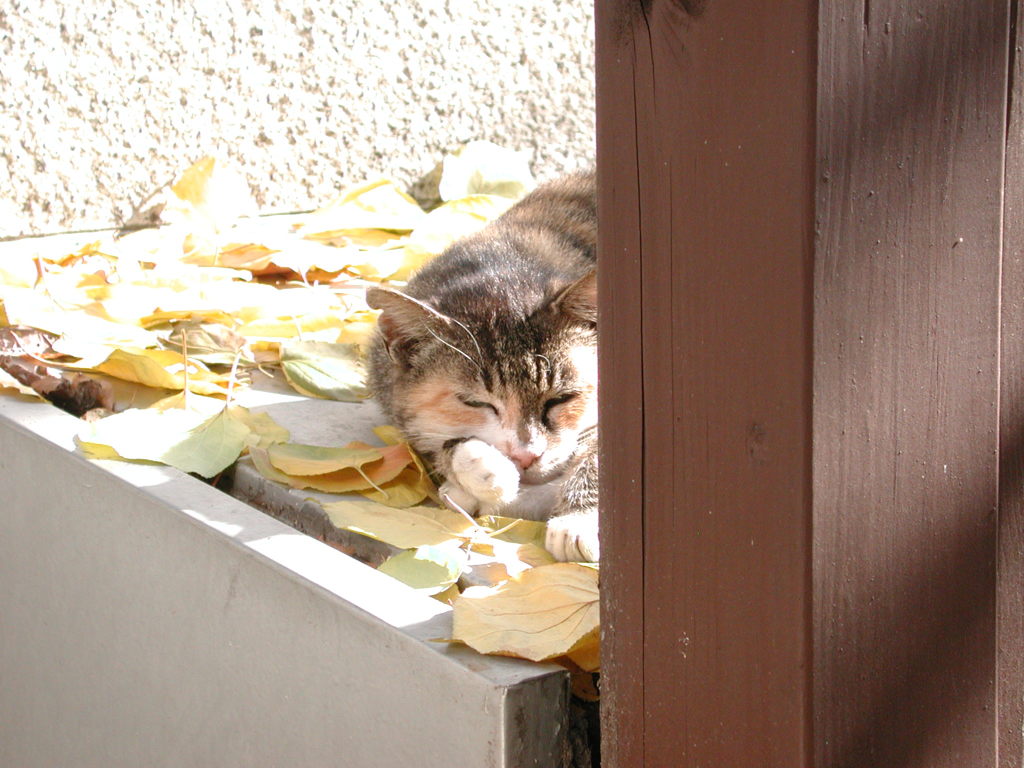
(149, 619)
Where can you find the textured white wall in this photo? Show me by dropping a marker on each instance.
(102, 102)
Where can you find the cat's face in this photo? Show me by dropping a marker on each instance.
(530, 394)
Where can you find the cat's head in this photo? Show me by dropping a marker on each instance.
(526, 384)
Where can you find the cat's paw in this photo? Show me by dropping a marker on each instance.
(485, 473)
(573, 537)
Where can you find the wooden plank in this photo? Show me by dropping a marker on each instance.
(1010, 568)
(621, 395)
(706, 135)
(906, 381)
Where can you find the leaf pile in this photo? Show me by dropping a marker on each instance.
(151, 334)
(534, 608)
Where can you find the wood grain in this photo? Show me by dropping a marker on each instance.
(621, 395)
(911, 133)
(706, 141)
(1010, 567)
(812, 252)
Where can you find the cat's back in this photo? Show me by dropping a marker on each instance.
(545, 241)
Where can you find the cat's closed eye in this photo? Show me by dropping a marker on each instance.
(554, 402)
(478, 404)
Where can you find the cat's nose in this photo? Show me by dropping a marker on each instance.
(523, 457)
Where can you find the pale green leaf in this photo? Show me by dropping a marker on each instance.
(428, 569)
(184, 438)
(330, 371)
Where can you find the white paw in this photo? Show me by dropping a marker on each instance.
(485, 473)
(573, 538)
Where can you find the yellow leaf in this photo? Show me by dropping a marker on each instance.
(542, 613)
(413, 485)
(377, 204)
(587, 653)
(288, 327)
(297, 459)
(410, 487)
(380, 264)
(251, 257)
(211, 195)
(260, 460)
(446, 224)
(337, 470)
(18, 269)
(448, 596)
(359, 328)
(402, 528)
(353, 240)
(36, 310)
(161, 368)
(389, 435)
(515, 529)
(162, 317)
(484, 167)
(263, 430)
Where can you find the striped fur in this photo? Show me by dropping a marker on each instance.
(487, 361)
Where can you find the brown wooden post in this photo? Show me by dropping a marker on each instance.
(812, 364)
(706, 175)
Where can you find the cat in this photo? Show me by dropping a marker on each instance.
(487, 361)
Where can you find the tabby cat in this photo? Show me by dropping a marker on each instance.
(487, 360)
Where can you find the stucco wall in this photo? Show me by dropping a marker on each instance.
(103, 102)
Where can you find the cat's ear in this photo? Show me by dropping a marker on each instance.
(403, 318)
(578, 301)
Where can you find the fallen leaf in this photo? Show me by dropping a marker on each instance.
(542, 613)
(410, 487)
(163, 368)
(446, 224)
(587, 653)
(307, 460)
(329, 371)
(22, 340)
(263, 430)
(515, 529)
(260, 460)
(427, 569)
(357, 467)
(482, 167)
(403, 528)
(185, 438)
(379, 204)
(209, 194)
(211, 343)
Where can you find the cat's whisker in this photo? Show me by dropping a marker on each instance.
(451, 346)
(453, 505)
(472, 337)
